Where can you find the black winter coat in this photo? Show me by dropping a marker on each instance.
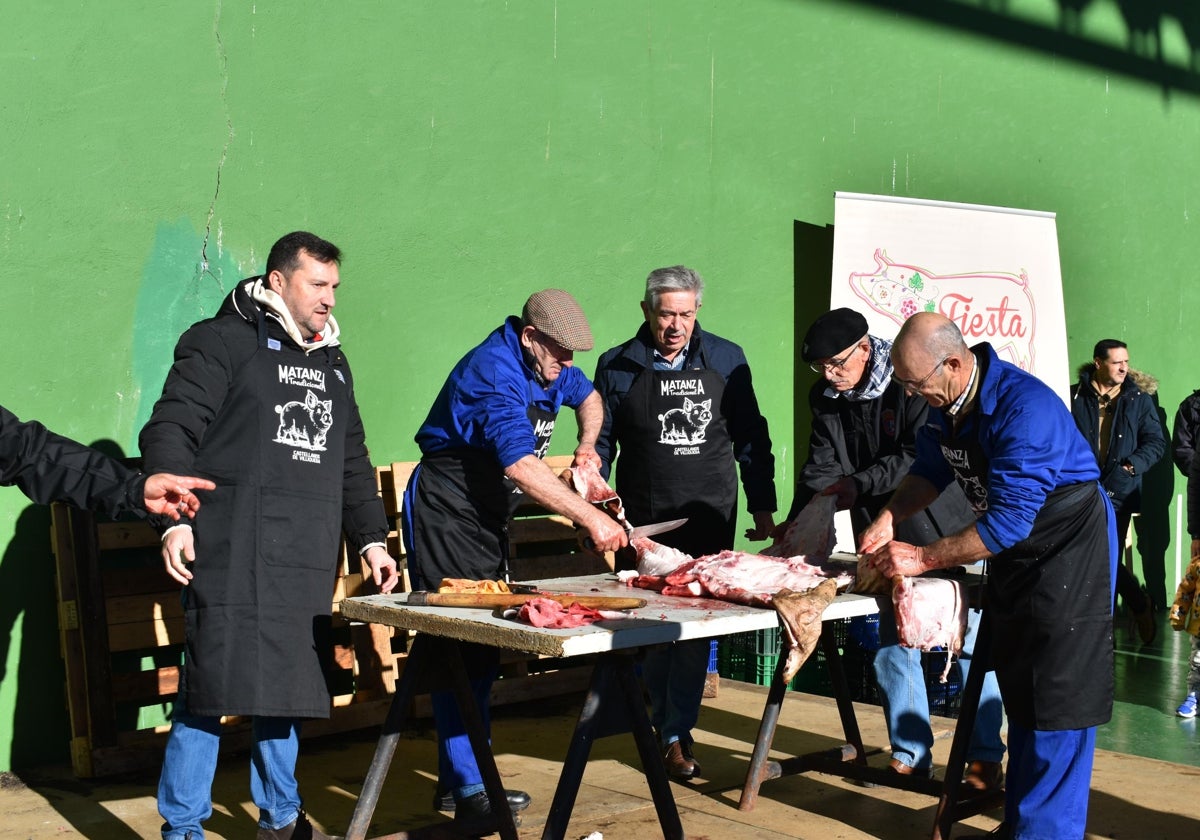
(874, 442)
(279, 432)
(1185, 431)
(51, 468)
(1136, 437)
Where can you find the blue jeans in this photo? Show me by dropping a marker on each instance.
(674, 677)
(185, 787)
(901, 681)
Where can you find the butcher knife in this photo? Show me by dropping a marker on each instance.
(656, 528)
(499, 600)
(642, 530)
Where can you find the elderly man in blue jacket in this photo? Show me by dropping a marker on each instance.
(680, 406)
(482, 445)
(1048, 534)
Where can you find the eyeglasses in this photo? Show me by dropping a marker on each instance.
(839, 364)
(910, 385)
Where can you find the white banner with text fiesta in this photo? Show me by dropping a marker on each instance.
(993, 271)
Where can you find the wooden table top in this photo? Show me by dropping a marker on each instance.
(665, 618)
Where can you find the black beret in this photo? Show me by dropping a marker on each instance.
(832, 333)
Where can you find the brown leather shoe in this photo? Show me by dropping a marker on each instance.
(899, 767)
(298, 829)
(680, 762)
(983, 776)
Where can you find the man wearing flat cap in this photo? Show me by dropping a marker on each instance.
(680, 406)
(481, 448)
(862, 443)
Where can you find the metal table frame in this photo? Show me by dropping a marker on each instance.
(850, 759)
(613, 704)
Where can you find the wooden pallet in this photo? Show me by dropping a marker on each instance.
(121, 633)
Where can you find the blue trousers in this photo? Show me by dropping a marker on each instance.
(185, 786)
(901, 681)
(674, 677)
(1049, 778)
(458, 771)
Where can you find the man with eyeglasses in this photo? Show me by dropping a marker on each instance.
(680, 408)
(862, 442)
(1048, 532)
(481, 448)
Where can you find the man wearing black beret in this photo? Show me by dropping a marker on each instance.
(862, 442)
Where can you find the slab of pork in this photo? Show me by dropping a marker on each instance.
(931, 613)
(811, 532)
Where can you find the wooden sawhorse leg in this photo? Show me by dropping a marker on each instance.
(613, 705)
(447, 654)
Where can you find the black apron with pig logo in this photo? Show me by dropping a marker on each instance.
(676, 458)
(1050, 613)
(465, 504)
(258, 632)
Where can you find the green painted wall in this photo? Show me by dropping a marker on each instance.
(467, 153)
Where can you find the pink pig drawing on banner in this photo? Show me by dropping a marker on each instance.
(990, 306)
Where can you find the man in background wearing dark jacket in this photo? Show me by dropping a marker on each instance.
(1121, 425)
(261, 399)
(862, 443)
(679, 403)
(1184, 432)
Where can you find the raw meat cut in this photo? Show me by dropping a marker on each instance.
(656, 559)
(930, 613)
(811, 532)
(586, 480)
(736, 576)
(752, 579)
(800, 616)
(543, 612)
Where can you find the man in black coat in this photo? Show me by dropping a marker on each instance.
(1120, 423)
(261, 399)
(862, 443)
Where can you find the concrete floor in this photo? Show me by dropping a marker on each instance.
(1133, 797)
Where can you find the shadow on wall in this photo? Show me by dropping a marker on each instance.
(1141, 56)
(29, 620)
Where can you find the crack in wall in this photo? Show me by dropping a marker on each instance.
(223, 61)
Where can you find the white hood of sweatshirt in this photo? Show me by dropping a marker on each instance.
(261, 294)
